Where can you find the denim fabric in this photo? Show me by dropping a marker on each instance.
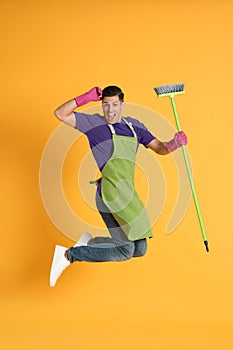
(114, 248)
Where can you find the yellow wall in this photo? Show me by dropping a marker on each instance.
(177, 296)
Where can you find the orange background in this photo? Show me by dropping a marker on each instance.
(177, 296)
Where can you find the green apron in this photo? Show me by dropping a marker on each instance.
(117, 187)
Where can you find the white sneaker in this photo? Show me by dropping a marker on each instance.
(59, 264)
(84, 239)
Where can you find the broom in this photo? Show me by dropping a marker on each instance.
(171, 91)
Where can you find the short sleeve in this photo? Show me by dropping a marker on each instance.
(86, 122)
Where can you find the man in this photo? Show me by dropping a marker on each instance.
(114, 141)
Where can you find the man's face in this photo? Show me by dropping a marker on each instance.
(112, 109)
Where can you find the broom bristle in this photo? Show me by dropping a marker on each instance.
(169, 89)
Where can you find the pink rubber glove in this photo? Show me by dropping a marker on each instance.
(92, 95)
(179, 139)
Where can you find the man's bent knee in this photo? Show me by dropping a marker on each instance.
(140, 247)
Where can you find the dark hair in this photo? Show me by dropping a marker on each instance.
(112, 91)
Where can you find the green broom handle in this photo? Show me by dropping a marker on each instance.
(190, 176)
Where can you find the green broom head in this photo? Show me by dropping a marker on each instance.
(169, 90)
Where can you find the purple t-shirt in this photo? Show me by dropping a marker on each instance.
(99, 135)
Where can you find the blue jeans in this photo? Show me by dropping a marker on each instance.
(114, 248)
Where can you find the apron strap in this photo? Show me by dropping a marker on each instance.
(130, 126)
(112, 129)
(127, 123)
(95, 182)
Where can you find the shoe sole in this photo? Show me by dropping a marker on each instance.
(55, 255)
